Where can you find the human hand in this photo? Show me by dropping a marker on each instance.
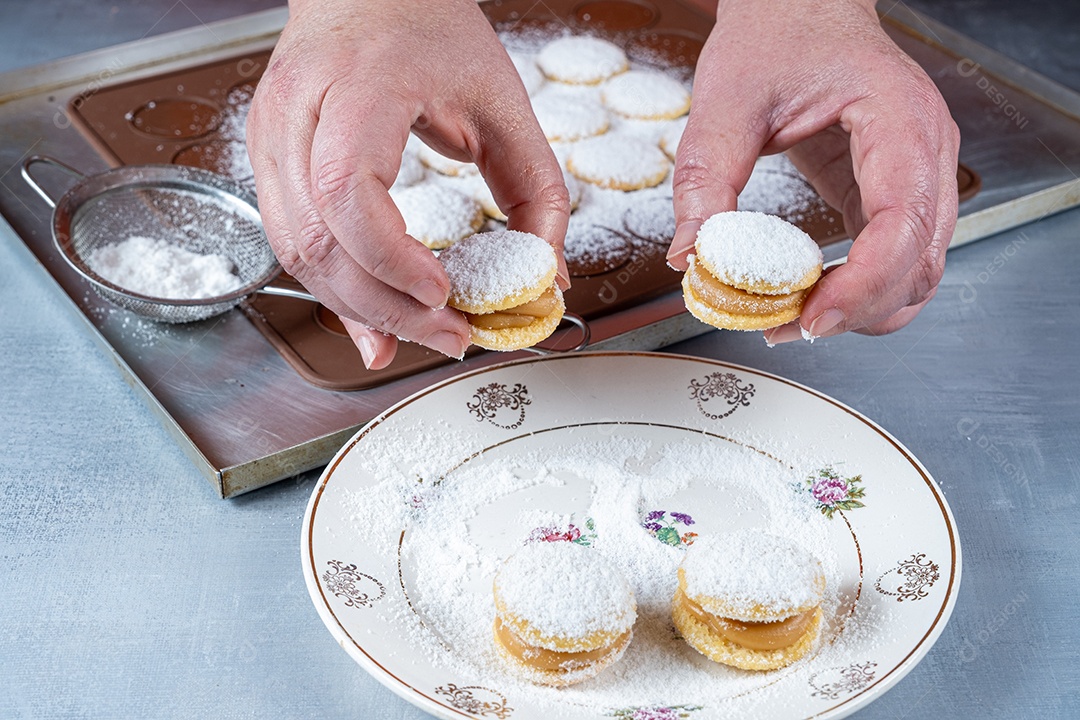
(328, 124)
(863, 123)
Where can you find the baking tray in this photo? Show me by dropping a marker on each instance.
(195, 116)
(247, 418)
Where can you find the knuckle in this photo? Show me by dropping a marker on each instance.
(314, 241)
(390, 317)
(692, 174)
(332, 184)
(554, 197)
(391, 261)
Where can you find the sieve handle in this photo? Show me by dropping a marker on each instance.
(45, 160)
(287, 292)
(586, 336)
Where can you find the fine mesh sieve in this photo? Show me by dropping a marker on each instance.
(197, 210)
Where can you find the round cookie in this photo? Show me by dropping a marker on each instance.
(646, 95)
(504, 283)
(562, 613)
(750, 271)
(749, 599)
(436, 215)
(410, 172)
(564, 118)
(618, 162)
(444, 165)
(530, 75)
(581, 60)
(672, 136)
(477, 188)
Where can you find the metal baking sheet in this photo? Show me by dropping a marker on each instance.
(247, 419)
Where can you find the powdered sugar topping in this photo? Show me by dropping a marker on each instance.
(581, 59)
(748, 569)
(437, 215)
(646, 95)
(490, 267)
(564, 590)
(618, 161)
(752, 248)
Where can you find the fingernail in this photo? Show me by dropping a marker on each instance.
(783, 334)
(429, 293)
(826, 321)
(447, 343)
(367, 351)
(685, 237)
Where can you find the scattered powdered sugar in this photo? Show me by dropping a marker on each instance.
(646, 95)
(491, 267)
(564, 118)
(618, 161)
(459, 531)
(161, 269)
(532, 586)
(776, 187)
(652, 219)
(752, 248)
(581, 59)
(744, 570)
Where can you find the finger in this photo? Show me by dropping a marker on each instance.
(519, 165)
(351, 175)
(724, 134)
(896, 165)
(376, 349)
(897, 320)
(313, 255)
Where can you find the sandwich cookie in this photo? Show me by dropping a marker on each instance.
(750, 271)
(749, 599)
(563, 613)
(504, 283)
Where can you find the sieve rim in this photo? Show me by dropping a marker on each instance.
(155, 177)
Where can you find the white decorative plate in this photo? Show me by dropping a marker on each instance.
(507, 446)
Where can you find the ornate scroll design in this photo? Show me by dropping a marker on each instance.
(345, 582)
(723, 386)
(476, 700)
(839, 682)
(911, 579)
(492, 401)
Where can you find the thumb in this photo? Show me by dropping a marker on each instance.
(723, 137)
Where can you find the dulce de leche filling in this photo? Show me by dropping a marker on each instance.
(551, 660)
(751, 635)
(735, 301)
(519, 316)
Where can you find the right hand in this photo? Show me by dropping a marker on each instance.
(346, 83)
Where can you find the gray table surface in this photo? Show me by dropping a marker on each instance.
(128, 590)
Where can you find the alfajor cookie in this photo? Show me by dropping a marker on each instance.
(750, 271)
(436, 215)
(618, 162)
(749, 599)
(504, 283)
(645, 95)
(563, 613)
(581, 60)
(477, 188)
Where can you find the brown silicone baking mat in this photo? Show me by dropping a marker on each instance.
(194, 117)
